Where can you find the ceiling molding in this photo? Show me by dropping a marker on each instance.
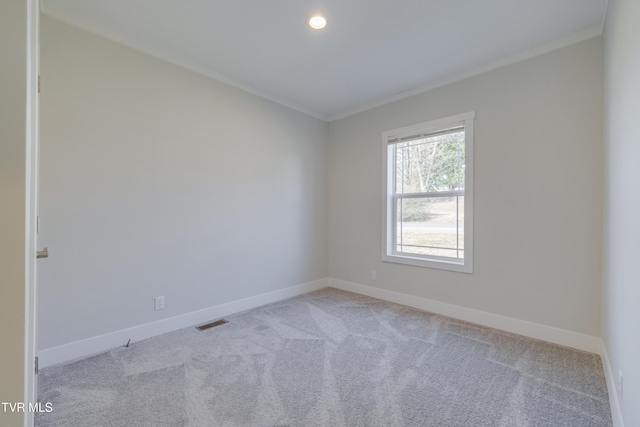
(60, 16)
(50, 10)
(575, 38)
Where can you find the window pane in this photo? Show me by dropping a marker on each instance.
(431, 226)
(430, 164)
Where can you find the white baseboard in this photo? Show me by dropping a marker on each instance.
(614, 401)
(521, 327)
(101, 343)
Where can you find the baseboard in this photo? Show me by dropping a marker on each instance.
(521, 327)
(101, 343)
(614, 401)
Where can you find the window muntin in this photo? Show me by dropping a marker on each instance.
(428, 210)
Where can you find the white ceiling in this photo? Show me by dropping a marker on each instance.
(370, 52)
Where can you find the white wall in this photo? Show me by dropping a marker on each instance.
(538, 167)
(159, 181)
(621, 237)
(13, 97)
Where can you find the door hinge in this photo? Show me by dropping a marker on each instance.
(36, 364)
(38, 84)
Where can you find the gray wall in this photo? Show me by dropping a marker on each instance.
(538, 173)
(13, 97)
(159, 181)
(621, 276)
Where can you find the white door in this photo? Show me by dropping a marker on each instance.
(30, 386)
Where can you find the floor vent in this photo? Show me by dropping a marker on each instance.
(211, 325)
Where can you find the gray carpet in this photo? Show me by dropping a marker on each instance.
(331, 358)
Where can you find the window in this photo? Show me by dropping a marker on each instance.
(428, 197)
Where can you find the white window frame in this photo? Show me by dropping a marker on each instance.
(389, 251)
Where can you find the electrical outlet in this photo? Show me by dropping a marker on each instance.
(374, 275)
(159, 303)
(620, 388)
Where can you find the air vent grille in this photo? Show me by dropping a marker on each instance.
(211, 325)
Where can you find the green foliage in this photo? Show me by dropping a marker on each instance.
(448, 170)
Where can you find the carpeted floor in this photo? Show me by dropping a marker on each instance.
(331, 358)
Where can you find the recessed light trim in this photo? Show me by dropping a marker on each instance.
(317, 22)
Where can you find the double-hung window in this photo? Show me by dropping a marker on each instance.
(428, 197)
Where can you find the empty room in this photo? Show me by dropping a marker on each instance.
(331, 213)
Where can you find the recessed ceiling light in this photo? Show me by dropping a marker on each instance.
(317, 22)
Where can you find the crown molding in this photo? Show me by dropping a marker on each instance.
(50, 10)
(58, 15)
(572, 39)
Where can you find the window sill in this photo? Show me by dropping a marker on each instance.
(463, 266)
